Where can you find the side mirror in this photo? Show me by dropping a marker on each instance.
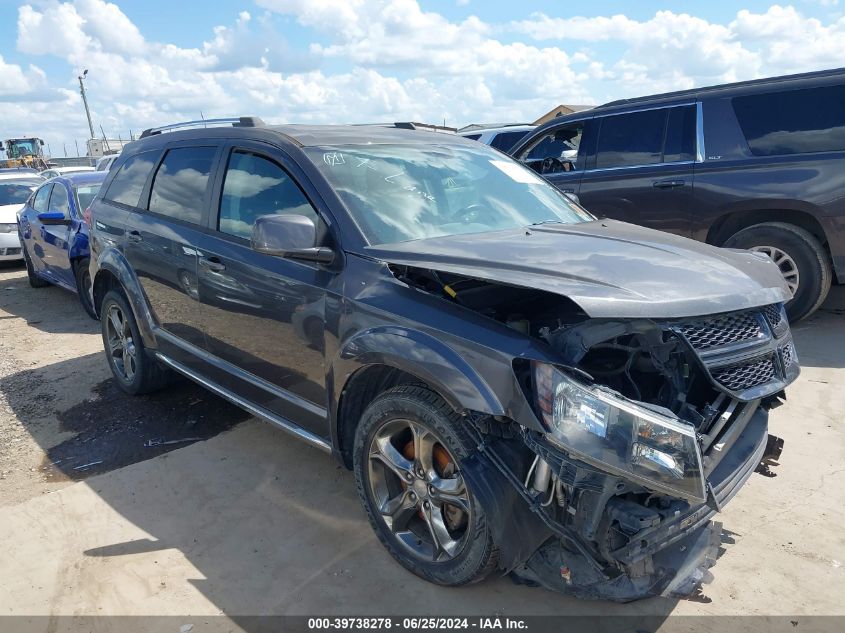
(289, 236)
(573, 197)
(53, 218)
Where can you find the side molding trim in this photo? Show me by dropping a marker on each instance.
(260, 412)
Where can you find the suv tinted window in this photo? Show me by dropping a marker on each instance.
(506, 140)
(680, 135)
(181, 183)
(631, 139)
(128, 183)
(256, 186)
(793, 122)
(39, 203)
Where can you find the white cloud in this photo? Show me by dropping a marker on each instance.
(384, 60)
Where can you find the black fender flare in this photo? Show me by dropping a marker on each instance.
(112, 261)
(421, 355)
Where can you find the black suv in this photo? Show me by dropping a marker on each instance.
(754, 165)
(517, 386)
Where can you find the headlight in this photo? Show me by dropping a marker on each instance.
(597, 426)
(8, 228)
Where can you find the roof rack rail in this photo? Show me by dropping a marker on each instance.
(244, 121)
(431, 127)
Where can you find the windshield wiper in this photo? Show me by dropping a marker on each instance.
(547, 222)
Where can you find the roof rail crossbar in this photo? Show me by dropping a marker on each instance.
(244, 121)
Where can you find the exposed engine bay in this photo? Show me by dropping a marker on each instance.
(651, 427)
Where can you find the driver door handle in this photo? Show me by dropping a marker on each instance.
(135, 236)
(668, 184)
(213, 264)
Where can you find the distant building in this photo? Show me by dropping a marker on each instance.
(561, 110)
(98, 147)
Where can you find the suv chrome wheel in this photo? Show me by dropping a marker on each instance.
(787, 265)
(121, 344)
(420, 494)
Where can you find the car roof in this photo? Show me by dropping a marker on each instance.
(83, 178)
(503, 128)
(71, 168)
(305, 135)
(23, 175)
(745, 86)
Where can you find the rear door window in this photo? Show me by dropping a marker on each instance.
(128, 183)
(181, 183)
(631, 139)
(793, 122)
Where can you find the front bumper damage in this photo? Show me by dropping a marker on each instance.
(667, 552)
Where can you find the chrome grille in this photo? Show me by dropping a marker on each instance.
(746, 375)
(721, 330)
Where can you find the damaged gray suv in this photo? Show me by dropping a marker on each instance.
(518, 386)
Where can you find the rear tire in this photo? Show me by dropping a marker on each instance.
(422, 510)
(803, 260)
(83, 287)
(135, 370)
(34, 280)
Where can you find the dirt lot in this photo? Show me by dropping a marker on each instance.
(179, 503)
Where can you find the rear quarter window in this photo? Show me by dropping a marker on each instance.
(794, 121)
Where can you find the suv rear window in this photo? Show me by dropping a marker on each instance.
(128, 183)
(181, 183)
(793, 122)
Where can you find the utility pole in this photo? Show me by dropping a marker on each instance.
(85, 101)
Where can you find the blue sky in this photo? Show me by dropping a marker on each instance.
(338, 61)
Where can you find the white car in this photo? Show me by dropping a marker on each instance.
(502, 138)
(61, 171)
(15, 189)
(105, 163)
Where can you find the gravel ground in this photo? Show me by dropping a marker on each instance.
(251, 521)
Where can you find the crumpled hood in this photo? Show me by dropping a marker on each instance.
(609, 268)
(9, 213)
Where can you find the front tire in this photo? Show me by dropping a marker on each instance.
(134, 369)
(802, 260)
(406, 454)
(34, 280)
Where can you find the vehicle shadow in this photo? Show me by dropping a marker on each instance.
(65, 316)
(820, 338)
(254, 520)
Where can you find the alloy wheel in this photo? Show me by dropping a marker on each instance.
(419, 493)
(787, 265)
(121, 346)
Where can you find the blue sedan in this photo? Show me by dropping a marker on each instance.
(54, 233)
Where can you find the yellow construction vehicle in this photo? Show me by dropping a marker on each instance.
(24, 152)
